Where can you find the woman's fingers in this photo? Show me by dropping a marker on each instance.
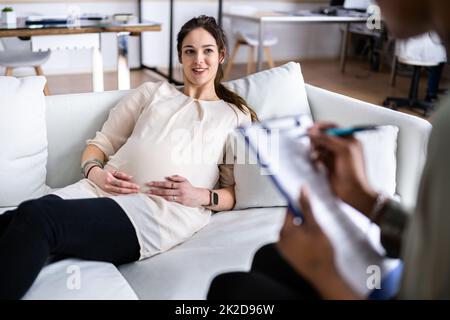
(123, 184)
(173, 182)
(118, 191)
(163, 184)
(122, 175)
(176, 178)
(115, 185)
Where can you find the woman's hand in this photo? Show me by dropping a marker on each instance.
(179, 189)
(114, 182)
(344, 159)
(309, 251)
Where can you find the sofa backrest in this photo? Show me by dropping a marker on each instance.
(71, 120)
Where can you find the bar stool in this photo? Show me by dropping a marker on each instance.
(419, 52)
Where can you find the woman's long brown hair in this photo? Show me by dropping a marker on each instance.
(210, 25)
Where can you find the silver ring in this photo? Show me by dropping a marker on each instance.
(174, 198)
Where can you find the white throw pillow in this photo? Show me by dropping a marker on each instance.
(275, 92)
(272, 93)
(254, 187)
(380, 155)
(23, 139)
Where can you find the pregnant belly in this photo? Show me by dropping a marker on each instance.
(146, 165)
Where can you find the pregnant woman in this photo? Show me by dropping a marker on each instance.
(152, 175)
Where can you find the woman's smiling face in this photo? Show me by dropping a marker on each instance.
(200, 57)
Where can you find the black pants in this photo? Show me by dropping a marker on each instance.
(270, 278)
(92, 229)
(434, 77)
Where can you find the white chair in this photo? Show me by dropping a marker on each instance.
(17, 53)
(247, 38)
(421, 51)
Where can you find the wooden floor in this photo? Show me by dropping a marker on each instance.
(358, 81)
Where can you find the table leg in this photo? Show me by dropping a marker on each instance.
(344, 46)
(260, 46)
(97, 69)
(123, 70)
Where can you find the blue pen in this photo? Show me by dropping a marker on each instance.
(343, 132)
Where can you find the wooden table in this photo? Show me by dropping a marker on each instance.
(93, 27)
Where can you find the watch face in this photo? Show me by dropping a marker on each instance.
(215, 198)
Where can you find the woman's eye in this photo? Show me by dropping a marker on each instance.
(189, 51)
(209, 50)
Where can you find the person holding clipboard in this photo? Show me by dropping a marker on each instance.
(301, 264)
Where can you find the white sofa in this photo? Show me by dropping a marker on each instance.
(228, 242)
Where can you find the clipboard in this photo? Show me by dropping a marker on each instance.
(285, 157)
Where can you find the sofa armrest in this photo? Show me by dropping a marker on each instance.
(412, 138)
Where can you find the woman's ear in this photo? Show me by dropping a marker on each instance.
(222, 56)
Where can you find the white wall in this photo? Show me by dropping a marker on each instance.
(305, 41)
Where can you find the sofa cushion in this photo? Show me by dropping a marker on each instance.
(75, 279)
(272, 93)
(226, 244)
(254, 187)
(275, 92)
(23, 137)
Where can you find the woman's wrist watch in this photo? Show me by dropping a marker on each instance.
(213, 198)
